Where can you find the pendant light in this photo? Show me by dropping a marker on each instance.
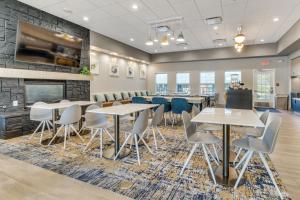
(239, 38)
(180, 37)
(164, 40)
(149, 41)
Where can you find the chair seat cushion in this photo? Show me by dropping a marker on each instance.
(203, 138)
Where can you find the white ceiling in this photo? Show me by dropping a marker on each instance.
(117, 19)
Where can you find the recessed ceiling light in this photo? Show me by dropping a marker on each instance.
(216, 27)
(220, 44)
(86, 18)
(131, 39)
(275, 19)
(155, 40)
(185, 47)
(262, 40)
(155, 50)
(135, 6)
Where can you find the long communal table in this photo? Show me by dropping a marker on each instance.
(193, 100)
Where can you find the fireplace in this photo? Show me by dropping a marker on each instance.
(44, 90)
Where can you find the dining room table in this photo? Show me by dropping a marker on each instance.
(54, 107)
(197, 100)
(117, 112)
(225, 174)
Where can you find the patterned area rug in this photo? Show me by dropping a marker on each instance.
(156, 178)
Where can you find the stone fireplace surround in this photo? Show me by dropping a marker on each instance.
(15, 121)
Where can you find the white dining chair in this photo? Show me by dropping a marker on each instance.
(261, 146)
(69, 117)
(43, 116)
(138, 131)
(198, 139)
(98, 124)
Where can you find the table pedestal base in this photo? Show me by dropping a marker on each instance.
(109, 153)
(226, 181)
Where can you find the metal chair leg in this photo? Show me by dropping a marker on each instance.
(237, 155)
(36, 130)
(101, 142)
(242, 160)
(111, 137)
(66, 133)
(161, 135)
(91, 140)
(72, 127)
(270, 173)
(43, 128)
(154, 137)
(249, 155)
(57, 132)
(189, 158)
(209, 165)
(137, 148)
(126, 140)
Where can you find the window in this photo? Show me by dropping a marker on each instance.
(161, 83)
(232, 77)
(207, 82)
(183, 82)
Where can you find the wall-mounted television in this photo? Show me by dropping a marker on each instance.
(39, 45)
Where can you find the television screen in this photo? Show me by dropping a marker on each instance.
(39, 45)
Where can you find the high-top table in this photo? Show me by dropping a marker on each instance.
(117, 111)
(55, 106)
(225, 174)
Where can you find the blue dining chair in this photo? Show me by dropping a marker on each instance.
(140, 100)
(162, 101)
(178, 105)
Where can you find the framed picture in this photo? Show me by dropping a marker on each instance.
(95, 68)
(143, 71)
(130, 71)
(114, 69)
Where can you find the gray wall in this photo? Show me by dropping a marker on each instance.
(245, 65)
(110, 44)
(104, 82)
(11, 11)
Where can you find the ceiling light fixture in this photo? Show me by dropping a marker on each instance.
(185, 48)
(135, 6)
(164, 41)
(149, 42)
(180, 37)
(239, 38)
(216, 27)
(85, 18)
(262, 40)
(275, 19)
(131, 39)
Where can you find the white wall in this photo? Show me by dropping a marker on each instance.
(245, 65)
(104, 82)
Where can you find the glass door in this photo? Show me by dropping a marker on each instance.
(263, 88)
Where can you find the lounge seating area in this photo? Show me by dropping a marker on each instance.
(149, 99)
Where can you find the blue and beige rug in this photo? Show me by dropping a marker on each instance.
(156, 178)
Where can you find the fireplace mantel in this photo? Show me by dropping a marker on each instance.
(34, 74)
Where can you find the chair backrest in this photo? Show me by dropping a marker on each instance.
(118, 96)
(125, 95)
(189, 127)
(71, 115)
(138, 93)
(92, 107)
(132, 94)
(40, 114)
(179, 105)
(195, 111)
(100, 97)
(158, 116)
(141, 123)
(264, 117)
(162, 100)
(110, 97)
(139, 100)
(93, 119)
(271, 133)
